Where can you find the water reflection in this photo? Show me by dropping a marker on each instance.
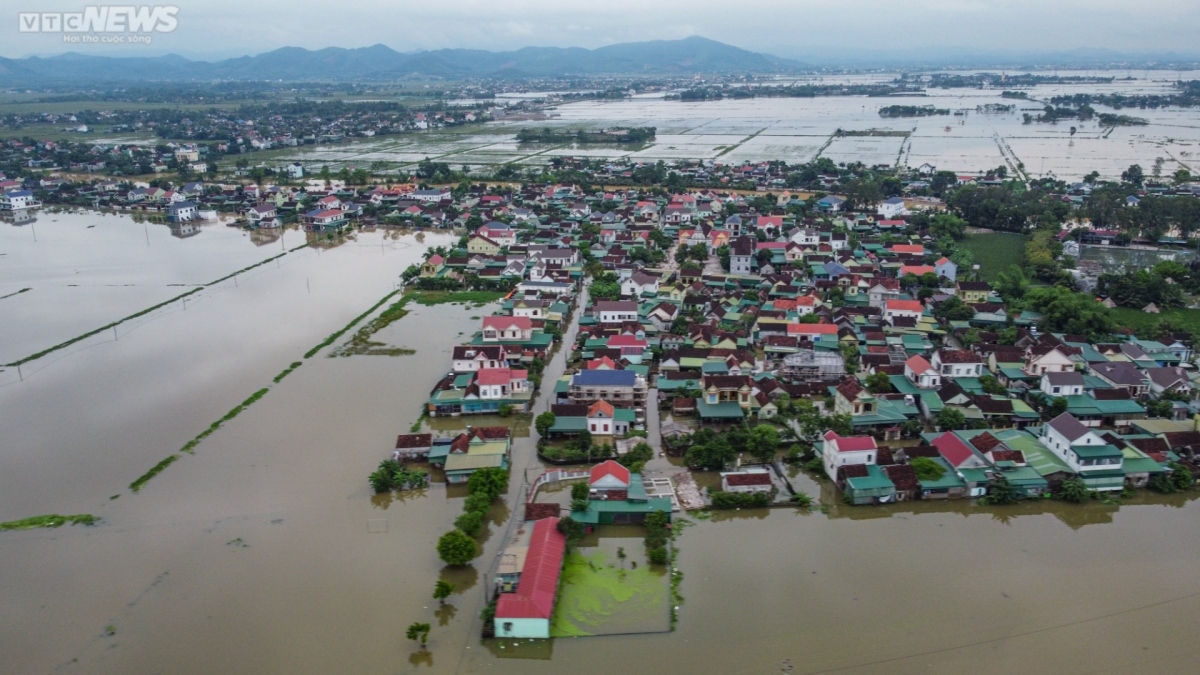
(462, 578)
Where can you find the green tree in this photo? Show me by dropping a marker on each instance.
(544, 422)
(470, 522)
(442, 590)
(456, 548)
(991, 385)
(1012, 284)
(927, 469)
(572, 529)
(950, 419)
(879, 383)
(1133, 175)
(579, 491)
(763, 443)
(1002, 492)
(491, 481)
(851, 357)
(419, 632)
(1074, 490)
(710, 456)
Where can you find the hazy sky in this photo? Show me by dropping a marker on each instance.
(789, 28)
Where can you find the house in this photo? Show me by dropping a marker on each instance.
(972, 292)
(181, 212)
(890, 208)
(471, 358)
(1062, 384)
(600, 418)
(500, 233)
(295, 170)
(431, 196)
(615, 311)
(727, 389)
(479, 244)
(838, 451)
(830, 204)
(741, 255)
(608, 477)
(945, 268)
(883, 290)
(17, 200)
(507, 329)
(326, 219)
(413, 447)
(747, 480)
(1170, 379)
(958, 363)
(433, 266)
(501, 383)
(1098, 463)
(639, 283)
(912, 309)
(1123, 375)
(920, 372)
(263, 216)
(851, 398)
(527, 612)
(616, 386)
(1047, 359)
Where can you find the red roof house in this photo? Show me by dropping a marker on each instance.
(526, 613)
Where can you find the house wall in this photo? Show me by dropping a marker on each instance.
(522, 628)
(833, 459)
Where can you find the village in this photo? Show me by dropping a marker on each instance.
(709, 342)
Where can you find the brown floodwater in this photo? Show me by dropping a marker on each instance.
(267, 552)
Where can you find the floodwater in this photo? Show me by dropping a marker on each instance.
(799, 130)
(267, 552)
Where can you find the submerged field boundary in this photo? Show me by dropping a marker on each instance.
(63, 345)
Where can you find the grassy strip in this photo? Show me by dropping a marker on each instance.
(287, 371)
(333, 337)
(53, 520)
(68, 343)
(158, 468)
(190, 446)
(430, 298)
(23, 290)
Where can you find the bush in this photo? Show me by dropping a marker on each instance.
(738, 500)
(802, 500)
(579, 491)
(658, 555)
(456, 548)
(505, 410)
(1075, 491)
(470, 522)
(815, 465)
(927, 469)
(381, 481)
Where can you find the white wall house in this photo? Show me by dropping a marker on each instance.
(957, 363)
(843, 450)
(1083, 450)
(1062, 384)
(922, 373)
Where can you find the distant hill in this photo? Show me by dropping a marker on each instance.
(379, 62)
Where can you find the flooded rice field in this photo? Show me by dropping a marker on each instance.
(265, 550)
(801, 129)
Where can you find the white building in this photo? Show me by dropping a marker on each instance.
(1097, 463)
(844, 450)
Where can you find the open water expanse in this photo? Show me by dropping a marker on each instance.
(266, 552)
(801, 129)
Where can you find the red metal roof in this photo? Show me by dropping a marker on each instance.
(609, 468)
(905, 305)
(851, 443)
(506, 322)
(534, 598)
(490, 376)
(953, 449)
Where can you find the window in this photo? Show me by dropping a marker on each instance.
(1057, 389)
(593, 427)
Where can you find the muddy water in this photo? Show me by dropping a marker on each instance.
(266, 552)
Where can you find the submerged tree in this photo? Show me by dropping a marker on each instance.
(419, 632)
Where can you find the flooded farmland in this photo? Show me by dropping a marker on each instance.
(266, 551)
(800, 129)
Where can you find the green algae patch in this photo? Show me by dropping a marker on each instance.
(599, 597)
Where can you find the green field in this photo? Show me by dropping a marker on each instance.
(1184, 319)
(995, 252)
(598, 597)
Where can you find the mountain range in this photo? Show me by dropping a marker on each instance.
(693, 55)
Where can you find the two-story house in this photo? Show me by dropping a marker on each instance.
(838, 451)
(920, 372)
(615, 311)
(1062, 384)
(507, 328)
(1098, 463)
(957, 363)
(471, 358)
